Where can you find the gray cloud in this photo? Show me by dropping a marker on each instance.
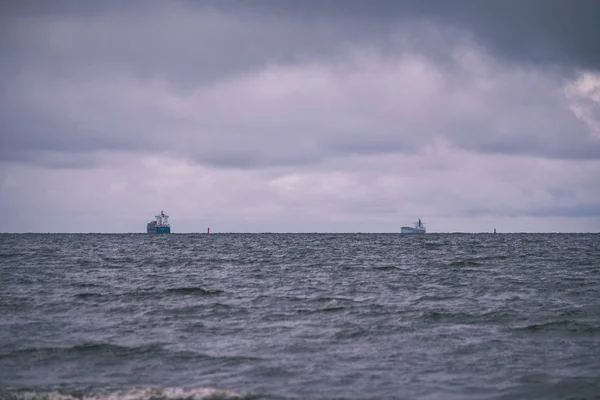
(579, 210)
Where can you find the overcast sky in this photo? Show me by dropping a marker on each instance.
(300, 116)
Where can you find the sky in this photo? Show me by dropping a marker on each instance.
(300, 116)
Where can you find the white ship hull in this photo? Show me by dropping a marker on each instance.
(419, 228)
(408, 229)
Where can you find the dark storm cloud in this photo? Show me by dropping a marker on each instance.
(60, 56)
(186, 43)
(555, 31)
(539, 31)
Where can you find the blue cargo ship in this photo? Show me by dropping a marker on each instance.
(161, 225)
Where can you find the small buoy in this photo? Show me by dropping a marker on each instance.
(494, 230)
(208, 231)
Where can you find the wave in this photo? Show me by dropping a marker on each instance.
(132, 394)
(433, 298)
(385, 267)
(331, 309)
(465, 263)
(13, 254)
(564, 325)
(86, 348)
(121, 352)
(88, 295)
(351, 333)
(194, 290)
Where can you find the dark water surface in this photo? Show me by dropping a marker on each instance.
(307, 316)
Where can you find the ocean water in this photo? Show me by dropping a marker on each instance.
(300, 316)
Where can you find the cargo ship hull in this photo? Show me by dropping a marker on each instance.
(158, 229)
(160, 226)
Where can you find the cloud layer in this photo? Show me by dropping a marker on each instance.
(288, 118)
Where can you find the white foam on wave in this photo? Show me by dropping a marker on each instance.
(132, 394)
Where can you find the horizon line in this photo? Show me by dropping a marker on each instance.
(291, 233)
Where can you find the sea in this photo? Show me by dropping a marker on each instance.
(299, 316)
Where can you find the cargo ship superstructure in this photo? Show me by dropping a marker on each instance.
(161, 225)
(418, 228)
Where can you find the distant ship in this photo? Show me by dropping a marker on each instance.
(161, 225)
(419, 228)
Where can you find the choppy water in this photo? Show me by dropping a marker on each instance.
(308, 316)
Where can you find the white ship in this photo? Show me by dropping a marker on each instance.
(418, 228)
